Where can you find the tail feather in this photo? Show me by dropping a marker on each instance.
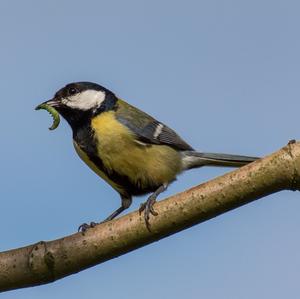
(191, 159)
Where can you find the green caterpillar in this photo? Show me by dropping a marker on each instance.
(54, 114)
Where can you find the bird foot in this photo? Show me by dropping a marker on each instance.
(84, 227)
(147, 208)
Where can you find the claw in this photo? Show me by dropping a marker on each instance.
(152, 210)
(147, 208)
(84, 227)
(142, 208)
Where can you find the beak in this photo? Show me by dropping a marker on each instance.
(55, 103)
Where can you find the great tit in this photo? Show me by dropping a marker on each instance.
(129, 149)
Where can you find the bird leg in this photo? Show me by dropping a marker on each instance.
(147, 206)
(125, 204)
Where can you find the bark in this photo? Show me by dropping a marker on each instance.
(45, 262)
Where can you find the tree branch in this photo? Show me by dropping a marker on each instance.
(45, 262)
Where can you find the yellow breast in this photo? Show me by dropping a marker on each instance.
(119, 151)
(98, 171)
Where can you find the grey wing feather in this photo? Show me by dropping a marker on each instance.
(147, 129)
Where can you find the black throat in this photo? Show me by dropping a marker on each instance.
(76, 118)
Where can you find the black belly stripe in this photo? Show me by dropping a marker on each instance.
(121, 180)
(84, 138)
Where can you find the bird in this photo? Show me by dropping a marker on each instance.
(129, 149)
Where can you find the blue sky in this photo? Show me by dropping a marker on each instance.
(223, 74)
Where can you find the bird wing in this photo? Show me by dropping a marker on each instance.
(147, 129)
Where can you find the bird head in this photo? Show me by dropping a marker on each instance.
(79, 101)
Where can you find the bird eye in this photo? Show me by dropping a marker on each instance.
(72, 91)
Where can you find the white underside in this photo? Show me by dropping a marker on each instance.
(189, 161)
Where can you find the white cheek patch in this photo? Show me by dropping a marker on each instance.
(85, 100)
